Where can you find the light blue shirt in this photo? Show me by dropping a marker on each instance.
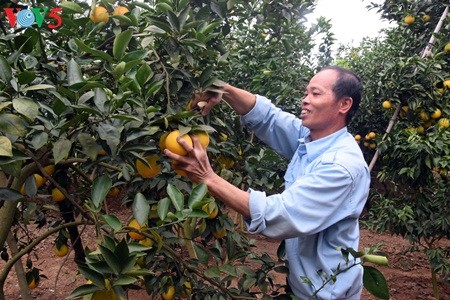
(326, 187)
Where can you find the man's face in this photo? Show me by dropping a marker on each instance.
(321, 112)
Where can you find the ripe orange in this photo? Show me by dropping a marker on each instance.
(32, 284)
(104, 295)
(39, 180)
(420, 129)
(444, 122)
(57, 195)
(150, 170)
(409, 19)
(187, 290)
(120, 10)
(212, 212)
(223, 137)
(219, 233)
(424, 116)
(436, 114)
(134, 235)
(62, 251)
(372, 135)
(426, 18)
(203, 137)
(169, 293)
(49, 170)
(387, 104)
(372, 145)
(102, 152)
(447, 83)
(99, 14)
(173, 145)
(357, 137)
(447, 47)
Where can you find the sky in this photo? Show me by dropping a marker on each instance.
(350, 19)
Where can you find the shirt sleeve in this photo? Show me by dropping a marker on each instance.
(313, 203)
(278, 129)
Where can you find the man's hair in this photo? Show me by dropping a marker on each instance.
(348, 84)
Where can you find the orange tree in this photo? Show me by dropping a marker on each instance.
(414, 164)
(85, 109)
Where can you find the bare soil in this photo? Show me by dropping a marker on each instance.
(408, 275)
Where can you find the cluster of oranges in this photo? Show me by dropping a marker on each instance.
(101, 14)
(369, 140)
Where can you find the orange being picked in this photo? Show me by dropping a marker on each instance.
(134, 235)
(173, 145)
(99, 14)
(150, 170)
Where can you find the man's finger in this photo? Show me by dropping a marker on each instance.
(188, 147)
(173, 156)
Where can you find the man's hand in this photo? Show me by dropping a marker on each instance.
(205, 101)
(195, 163)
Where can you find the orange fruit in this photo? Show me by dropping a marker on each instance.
(357, 137)
(409, 19)
(424, 116)
(218, 234)
(104, 295)
(372, 135)
(49, 170)
(173, 145)
(39, 180)
(99, 14)
(57, 195)
(146, 242)
(32, 284)
(436, 114)
(387, 104)
(444, 122)
(372, 145)
(169, 293)
(151, 170)
(203, 137)
(212, 212)
(120, 10)
(134, 235)
(102, 152)
(426, 18)
(62, 251)
(447, 83)
(114, 191)
(225, 161)
(447, 47)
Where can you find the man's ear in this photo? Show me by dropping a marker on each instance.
(345, 104)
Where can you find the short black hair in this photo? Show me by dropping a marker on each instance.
(348, 84)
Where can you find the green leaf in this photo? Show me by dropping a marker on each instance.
(71, 7)
(26, 107)
(85, 289)
(141, 208)
(100, 99)
(163, 208)
(197, 194)
(94, 276)
(74, 75)
(213, 272)
(143, 74)
(100, 189)
(111, 259)
(13, 124)
(173, 21)
(175, 196)
(95, 52)
(61, 150)
(375, 283)
(124, 280)
(9, 194)
(121, 43)
(37, 87)
(5, 70)
(89, 145)
(5, 147)
(113, 222)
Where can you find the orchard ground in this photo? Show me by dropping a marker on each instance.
(408, 275)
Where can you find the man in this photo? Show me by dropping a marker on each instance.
(327, 180)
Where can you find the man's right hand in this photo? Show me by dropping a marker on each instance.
(205, 101)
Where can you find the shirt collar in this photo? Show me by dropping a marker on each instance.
(314, 149)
